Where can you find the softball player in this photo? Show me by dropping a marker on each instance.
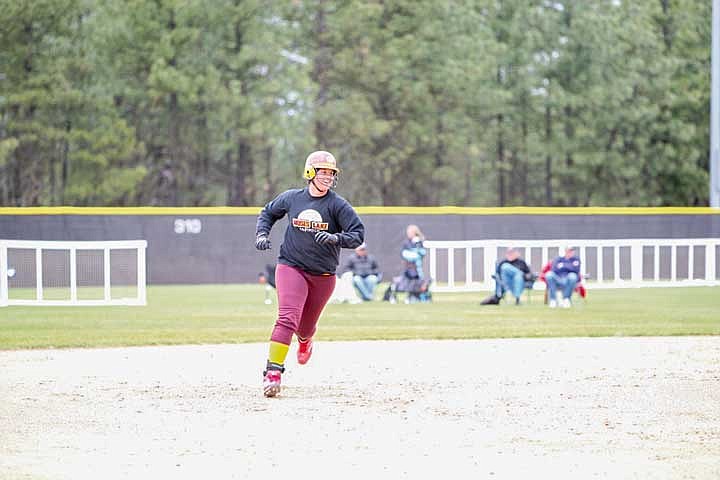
(320, 222)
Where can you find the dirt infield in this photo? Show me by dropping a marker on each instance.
(570, 408)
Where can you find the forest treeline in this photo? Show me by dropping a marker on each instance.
(423, 102)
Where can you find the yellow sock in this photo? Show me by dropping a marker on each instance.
(278, 352)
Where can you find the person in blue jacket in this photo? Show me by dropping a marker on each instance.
(413, 252)
(563, 276)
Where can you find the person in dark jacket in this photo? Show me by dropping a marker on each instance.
(365, 272)
(320, 223)
(511, 273)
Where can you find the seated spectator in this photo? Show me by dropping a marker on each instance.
(413, 252)
(564, 275)
(365, 272)
(511, 274)
(345, 291)
(413, 279)
(580, 288)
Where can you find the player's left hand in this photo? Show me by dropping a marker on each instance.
(325, 238)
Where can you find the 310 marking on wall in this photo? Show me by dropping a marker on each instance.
(188, 225)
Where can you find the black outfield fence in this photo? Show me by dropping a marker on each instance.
(216, 244)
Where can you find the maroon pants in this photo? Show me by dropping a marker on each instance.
(301, 299)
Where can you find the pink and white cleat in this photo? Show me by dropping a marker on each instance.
(271, 382)
(304, 350)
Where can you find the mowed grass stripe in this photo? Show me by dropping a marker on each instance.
(236, 314)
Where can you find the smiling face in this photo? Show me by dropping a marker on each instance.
(325, 176)
(323, 181)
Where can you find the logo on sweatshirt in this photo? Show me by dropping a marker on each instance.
(309, 221)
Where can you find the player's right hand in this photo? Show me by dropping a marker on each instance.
(262, 242)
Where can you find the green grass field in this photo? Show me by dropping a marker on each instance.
(236, 313)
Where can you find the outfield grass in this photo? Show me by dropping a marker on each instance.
(236, 313)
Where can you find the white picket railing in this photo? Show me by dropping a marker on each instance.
(35, 250)
(606, 251)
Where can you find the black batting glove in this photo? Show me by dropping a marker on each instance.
(325, 238)
(262, 242)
